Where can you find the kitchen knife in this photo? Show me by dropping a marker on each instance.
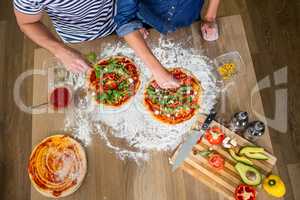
(195, 135)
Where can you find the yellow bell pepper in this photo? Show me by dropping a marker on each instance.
(274, 186)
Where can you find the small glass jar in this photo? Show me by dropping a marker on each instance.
(255, 130)
(239, 122)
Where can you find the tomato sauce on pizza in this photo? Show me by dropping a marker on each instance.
(114, 80)
(173, 106)
(57, 166)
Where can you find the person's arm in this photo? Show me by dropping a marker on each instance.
(160, 74)
(32, 26)
(212, 10)
(209, 28)
(129, 27)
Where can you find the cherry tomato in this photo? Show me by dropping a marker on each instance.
(179, 75)
(216, 161)
(104, 62)
(110, 81)
(123, 61)
(110, 76)
(175, 104)
(130, 67)
(110, 84)
(214, 135)
(186, 81)
(245, 192)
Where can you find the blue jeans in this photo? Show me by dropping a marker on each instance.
(163, 15)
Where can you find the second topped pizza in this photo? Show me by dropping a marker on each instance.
(173, 106)
(114, 80)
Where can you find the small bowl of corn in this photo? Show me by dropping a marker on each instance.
(228, 65)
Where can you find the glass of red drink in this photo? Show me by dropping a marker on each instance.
(60, 98)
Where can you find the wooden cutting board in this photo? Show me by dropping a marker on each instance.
(223, 181)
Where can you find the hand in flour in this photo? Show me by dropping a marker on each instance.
(72, 59)
(164, 79)
(161, 75)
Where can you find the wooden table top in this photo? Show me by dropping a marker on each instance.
(109, 178)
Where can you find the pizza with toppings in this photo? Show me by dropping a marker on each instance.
(57, 166)
(173, 106)
(114, 80)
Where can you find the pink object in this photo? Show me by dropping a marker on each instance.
(210, 31)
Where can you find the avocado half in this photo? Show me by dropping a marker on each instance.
(249, 174)
(239, 158)
(257, 153)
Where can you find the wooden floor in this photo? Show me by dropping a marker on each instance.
(273, 29)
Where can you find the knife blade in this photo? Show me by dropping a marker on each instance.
(187, 146)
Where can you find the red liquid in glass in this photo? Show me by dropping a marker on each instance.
(60, 97)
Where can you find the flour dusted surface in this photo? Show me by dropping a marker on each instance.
(132, 122)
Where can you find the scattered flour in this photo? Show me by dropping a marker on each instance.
(132, 123)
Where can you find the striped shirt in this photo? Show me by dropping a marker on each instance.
(74, 20)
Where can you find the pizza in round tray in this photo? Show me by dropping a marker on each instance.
(57, 166)
(114, 80)
(173, 106)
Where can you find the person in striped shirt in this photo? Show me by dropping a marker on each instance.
(74, 21)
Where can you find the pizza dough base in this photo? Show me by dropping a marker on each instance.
(81, 176)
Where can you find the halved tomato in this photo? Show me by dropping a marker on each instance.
(110, 76)
(179, 75)
(174, 104)
(104, 62)
(110, 84)
(130, 67)
(110, 81)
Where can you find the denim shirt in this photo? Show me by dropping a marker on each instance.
(164, 15)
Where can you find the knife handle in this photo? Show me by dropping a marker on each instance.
(209, 119)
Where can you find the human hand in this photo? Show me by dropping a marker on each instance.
(144, 32)
(72, 60)
(165, 79)
(209, 30)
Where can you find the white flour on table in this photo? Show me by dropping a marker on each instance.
(132, 122)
